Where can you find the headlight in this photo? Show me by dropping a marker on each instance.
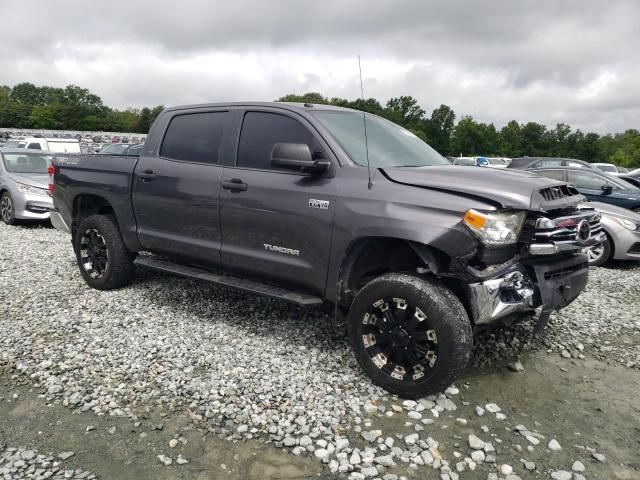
(495, 228)
(628, 224)
(29, 189)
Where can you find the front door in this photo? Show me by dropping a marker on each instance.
(176, 191)
(277, 224)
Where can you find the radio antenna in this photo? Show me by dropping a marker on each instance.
(364, 121)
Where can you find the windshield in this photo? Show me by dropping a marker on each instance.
(26, 162)
(14, 144)
(608, 168)
(115, 149)
(389, 144)
(497, 161)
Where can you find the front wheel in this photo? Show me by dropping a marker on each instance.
(104, 260)
(7, 210)
(598, 255)
(411, 335)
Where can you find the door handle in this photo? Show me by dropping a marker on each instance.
(147, 175)
(235, 184)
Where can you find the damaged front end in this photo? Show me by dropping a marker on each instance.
(546, 271)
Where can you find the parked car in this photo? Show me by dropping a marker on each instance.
(277, 199)
(56, 145)
(530, 163)
(633, 180)
(12, 143)
(622, 228)
(471, 161)
(120, 149)
(24, 193)
(597, 185)
(607, 168)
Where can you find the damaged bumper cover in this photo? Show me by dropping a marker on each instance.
(549, 285)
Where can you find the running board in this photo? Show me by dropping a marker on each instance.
(228, 281)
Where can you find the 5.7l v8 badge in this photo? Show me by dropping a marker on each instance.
(321, 204)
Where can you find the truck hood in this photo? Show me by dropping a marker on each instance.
(504, 188)
(40, 180)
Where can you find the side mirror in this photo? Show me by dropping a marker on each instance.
(607, 189)
(296, 156)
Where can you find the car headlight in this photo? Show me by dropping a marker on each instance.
(628, 224)
(29, 189)
(495, 228)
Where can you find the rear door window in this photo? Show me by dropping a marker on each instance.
(195, 137)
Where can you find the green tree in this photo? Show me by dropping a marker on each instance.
(440, 127)
(43, 116)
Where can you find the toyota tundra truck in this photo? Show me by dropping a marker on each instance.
(319, 205)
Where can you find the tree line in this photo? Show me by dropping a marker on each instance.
(74, 108)
(469, 137)
(71, 108)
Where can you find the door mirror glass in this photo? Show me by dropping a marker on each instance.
(296, 156)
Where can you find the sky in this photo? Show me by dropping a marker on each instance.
(574, 62)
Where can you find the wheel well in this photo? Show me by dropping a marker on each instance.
(87, 205)
(374, 256)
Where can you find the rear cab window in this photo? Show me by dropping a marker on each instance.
(195, 137)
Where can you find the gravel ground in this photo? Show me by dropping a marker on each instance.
(247, 367)
(18, 463)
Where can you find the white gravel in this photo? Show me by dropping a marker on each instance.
(249, 367)
(18, 463)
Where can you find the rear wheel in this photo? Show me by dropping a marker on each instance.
(7, 210)
(411, 335)
(104, 260)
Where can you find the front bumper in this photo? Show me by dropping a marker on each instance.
(526, 287)
(32, 207)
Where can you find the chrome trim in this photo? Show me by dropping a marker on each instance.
(499, 297)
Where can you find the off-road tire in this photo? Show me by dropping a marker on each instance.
(8, 216)
(446, 316)
(119, 266)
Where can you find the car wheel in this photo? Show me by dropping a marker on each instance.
(7, 210)
(411, 335)
(599, 254)
(103, 259)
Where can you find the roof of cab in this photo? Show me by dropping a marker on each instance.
(306, 107)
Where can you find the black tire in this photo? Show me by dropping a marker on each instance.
(598, 256)
(7, 209)
(444, 320)
(108, 264)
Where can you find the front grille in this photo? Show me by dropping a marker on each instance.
(558, 192)
(564, 229)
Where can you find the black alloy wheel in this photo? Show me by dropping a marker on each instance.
(399, 339)
(94, 255)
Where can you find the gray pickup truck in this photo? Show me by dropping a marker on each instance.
(290, 201)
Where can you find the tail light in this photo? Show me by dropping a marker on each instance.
(51, 170)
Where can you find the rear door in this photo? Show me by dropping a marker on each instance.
(277, 224)
(176, 189)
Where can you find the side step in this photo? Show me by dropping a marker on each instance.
(228, 281)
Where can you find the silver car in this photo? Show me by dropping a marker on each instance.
(24, 183)
(622, 227)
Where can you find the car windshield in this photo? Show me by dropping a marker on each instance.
(497, 161)
(608, 168)
(389, 145)
(26, 162)
(14, 144)
(115, 149)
